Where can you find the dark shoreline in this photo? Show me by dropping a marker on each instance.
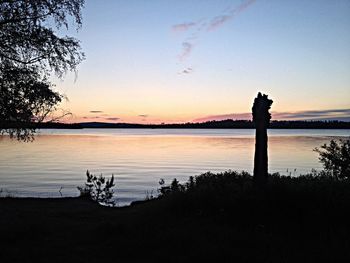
(294, 220)
(225, 124)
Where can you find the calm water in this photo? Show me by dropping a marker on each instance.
(140, 157)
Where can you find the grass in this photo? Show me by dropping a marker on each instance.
(212, 218)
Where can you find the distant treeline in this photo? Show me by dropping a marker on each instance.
(309, 125)
(41, 125)
(225, 124)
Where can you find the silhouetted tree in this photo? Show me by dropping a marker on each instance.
(261, 119)
(30, 51)
(335, 158)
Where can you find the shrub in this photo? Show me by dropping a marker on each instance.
(235, 195)
(174, 187)
(98, 188)
(335, 158)
(211, 184)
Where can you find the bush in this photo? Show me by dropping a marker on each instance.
(335, 158)
(98, 188)
(208, 181)
(235, 195)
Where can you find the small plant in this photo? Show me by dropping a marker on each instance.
(335, 158)
(6, 193)
(98, 188)
(163, 190)
(174, 187)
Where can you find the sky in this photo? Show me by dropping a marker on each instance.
(181, 61)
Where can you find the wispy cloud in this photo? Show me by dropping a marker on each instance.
(221, 117)
(313, 114)
(187, 71)
(331, 114)
(187, 48)
(101, 117)
(143, 115)
(94, 117)
(218, 21)
(96, 111)
(195, 28)
(112, 118)
(183, 27)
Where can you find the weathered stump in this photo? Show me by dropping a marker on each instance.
(261, 119)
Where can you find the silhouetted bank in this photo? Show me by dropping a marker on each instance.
(211, 218)
(225, 124)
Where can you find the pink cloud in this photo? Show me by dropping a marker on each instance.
(195, 28)
(233, 116)
(183, 27)
(218, 21)
(329, 114)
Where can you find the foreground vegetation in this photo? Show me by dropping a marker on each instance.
(212, 217)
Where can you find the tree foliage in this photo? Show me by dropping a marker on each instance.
(25, 97)
(31, 49)
(335, 158)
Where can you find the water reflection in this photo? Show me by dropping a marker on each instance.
(139, 160)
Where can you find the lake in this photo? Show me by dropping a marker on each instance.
(55, 163)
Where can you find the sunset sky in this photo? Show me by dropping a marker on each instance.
(178, 61)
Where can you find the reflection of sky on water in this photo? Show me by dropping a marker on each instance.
(138, 162)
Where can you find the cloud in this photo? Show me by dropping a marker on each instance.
(187, 48)
(100, 117)
(143, 115)
(218, 21)
(330, 114)
(96, 111)
(314, 114)
(112, 118)
(187, 71)
(183, 27)
(93, 117)
(194, 28)
(221, 117)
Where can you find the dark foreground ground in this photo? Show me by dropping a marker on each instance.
(283, 223)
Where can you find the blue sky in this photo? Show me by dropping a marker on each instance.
(175, 61)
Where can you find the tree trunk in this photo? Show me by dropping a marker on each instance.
(261, 118)
(260, 158)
